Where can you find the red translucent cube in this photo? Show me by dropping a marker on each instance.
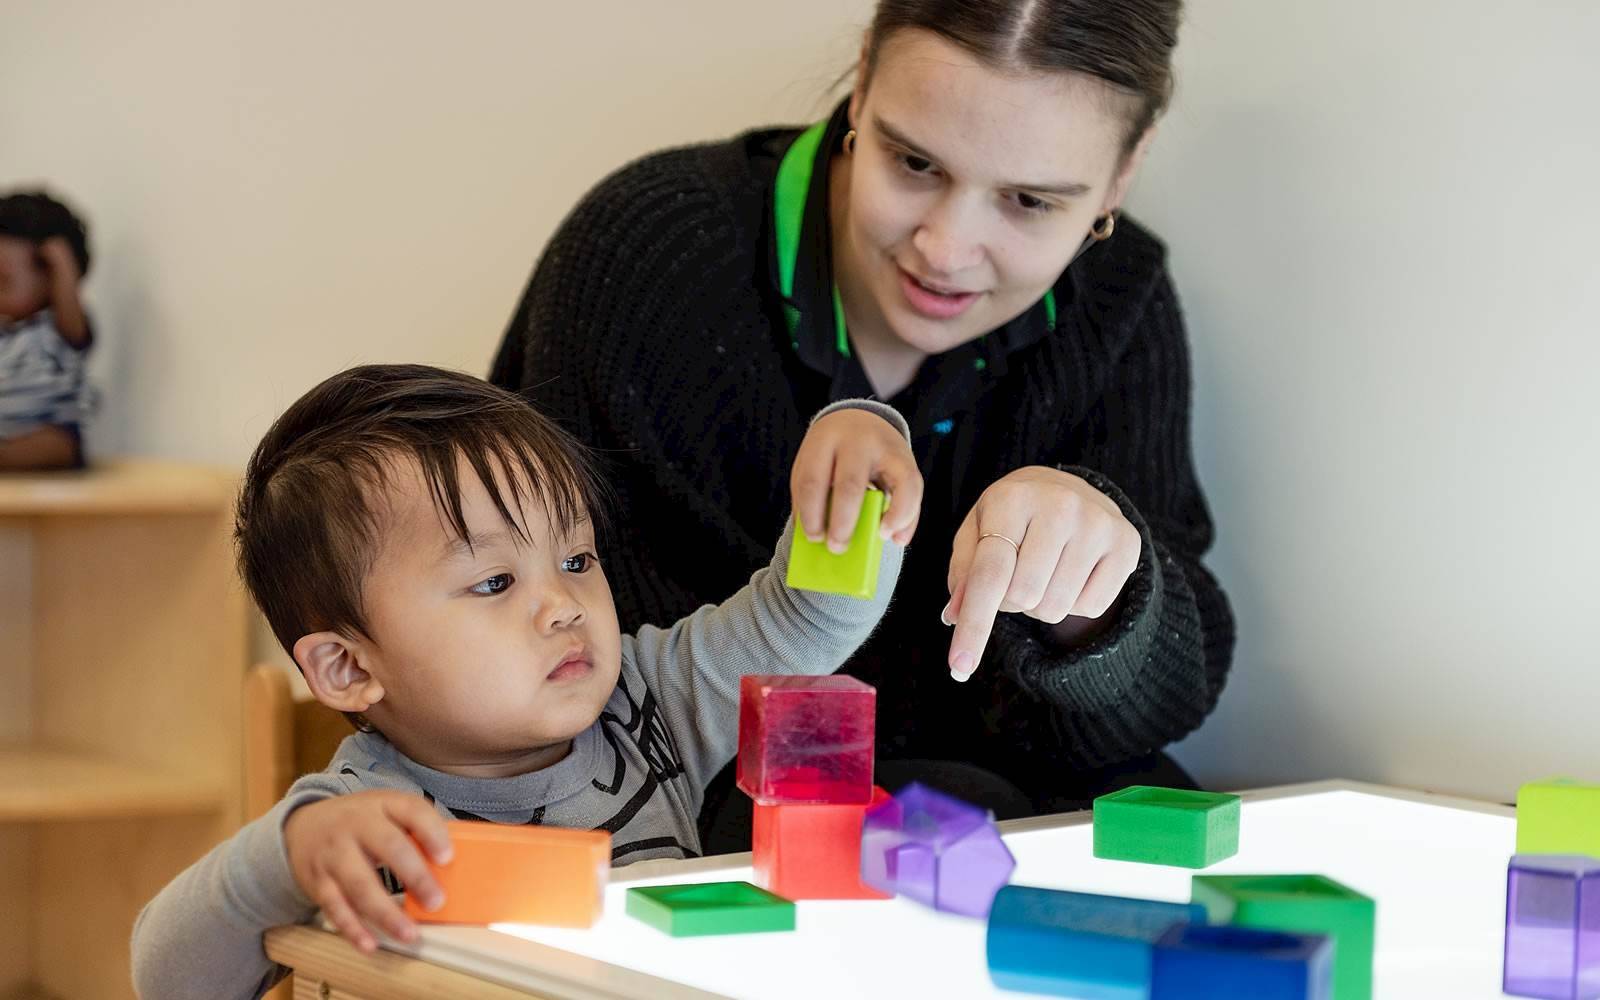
(803, 851)
(806, 739)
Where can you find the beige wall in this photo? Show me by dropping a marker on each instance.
(1381, 218)
(279, 190)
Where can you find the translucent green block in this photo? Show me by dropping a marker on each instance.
(1166, 826)
(1301, 903)
(854, 572)
(710, 908)
(1558, 816)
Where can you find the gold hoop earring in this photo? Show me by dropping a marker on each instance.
(1103, 227)
(850, 141)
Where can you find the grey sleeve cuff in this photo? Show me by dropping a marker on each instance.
(883, 410)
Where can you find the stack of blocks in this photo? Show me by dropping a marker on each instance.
(1552, 944)
(805, 758)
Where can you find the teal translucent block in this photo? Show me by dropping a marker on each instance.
(1077, 944)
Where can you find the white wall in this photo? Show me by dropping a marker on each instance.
(1384, 219)
(1379, 215)
(279, 190)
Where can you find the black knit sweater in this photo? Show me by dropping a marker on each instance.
(652, 328)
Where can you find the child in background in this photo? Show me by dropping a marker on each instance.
(44, 333)
(424, 545)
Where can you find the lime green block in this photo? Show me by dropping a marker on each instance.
(710, 908)
(1166, 826)
(854, 572)
(1306, 903)
(1558, 816)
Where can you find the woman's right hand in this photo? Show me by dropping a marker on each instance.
(336, 845)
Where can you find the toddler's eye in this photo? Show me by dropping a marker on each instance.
(915, 164)
(497, 584)
(580, 563)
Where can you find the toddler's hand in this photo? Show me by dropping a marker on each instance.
(59, 263)
(842, 454)
(336, 845)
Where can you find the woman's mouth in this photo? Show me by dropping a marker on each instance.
(933, 300)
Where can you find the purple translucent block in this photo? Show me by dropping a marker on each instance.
(935, 849)
(806, 739)
(1553, 927)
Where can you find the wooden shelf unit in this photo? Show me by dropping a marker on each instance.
(123, 646)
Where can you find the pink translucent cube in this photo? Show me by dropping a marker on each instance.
(806, 739)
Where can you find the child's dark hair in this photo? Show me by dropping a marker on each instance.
(311, 511)
(36, 217)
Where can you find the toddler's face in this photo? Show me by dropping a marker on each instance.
(24, 288)
(491, 653)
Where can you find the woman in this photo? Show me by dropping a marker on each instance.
(948, 240)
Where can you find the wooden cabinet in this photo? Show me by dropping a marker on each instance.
(123, 644)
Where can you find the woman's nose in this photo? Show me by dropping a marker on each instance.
(948, 239)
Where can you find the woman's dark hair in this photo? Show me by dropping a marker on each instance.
(35, 216)
(1126, 43)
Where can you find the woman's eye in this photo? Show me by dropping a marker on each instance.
(580, 563)
(915, 164)
(497, 584)
(1029, 203)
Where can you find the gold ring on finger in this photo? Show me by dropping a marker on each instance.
(1003, 538)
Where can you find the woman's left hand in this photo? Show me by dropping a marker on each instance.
(1041, 542)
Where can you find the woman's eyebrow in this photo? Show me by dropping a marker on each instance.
(1066, 189)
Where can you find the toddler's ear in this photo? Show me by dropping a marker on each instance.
(332, 667)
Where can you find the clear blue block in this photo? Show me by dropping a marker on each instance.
(1078, 944)
(1194, 962)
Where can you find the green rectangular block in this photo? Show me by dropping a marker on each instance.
(1313, 904)
(1166, 826)
(853, 572)
(1558, 816)
(710, 908)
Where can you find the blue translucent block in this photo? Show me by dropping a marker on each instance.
(1077, 944)
(1194, 962)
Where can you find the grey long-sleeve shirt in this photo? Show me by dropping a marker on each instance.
(639, 771)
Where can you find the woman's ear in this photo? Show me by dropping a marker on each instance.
(1127, 171)
(858, 89)
(332, 666)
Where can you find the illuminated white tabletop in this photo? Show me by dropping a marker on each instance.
(1436, 867)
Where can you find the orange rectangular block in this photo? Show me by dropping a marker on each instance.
(520, 874)
(806, 851)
